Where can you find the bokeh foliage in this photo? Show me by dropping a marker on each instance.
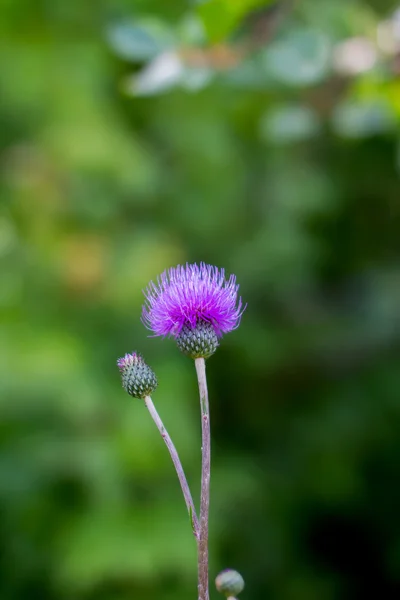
(258, 136)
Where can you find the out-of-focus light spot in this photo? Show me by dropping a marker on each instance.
(300, 59)
(196, 79)
(388, 34)
(288, 124)
(82, 262)
(386, 41)
(354, 56)
(360, 120)
(162, 74)
(191, 30)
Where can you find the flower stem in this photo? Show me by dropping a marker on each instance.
(205, 480)
(178, 466)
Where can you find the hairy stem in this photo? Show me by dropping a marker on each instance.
(178, 467)
(205, 480)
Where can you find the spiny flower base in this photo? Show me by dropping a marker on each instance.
(198, 342)
(137, 377)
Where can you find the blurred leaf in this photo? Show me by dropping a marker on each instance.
(141, 40)
(301, 58)
(221, 17)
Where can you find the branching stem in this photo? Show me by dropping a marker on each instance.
(178, 467)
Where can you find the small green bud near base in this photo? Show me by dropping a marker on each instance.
(229, 583)
(198, 342)
(137, 377)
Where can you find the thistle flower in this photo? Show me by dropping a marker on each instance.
(195, 304)
(137, 377)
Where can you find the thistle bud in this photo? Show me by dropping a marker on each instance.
(197, 342)
(137, 377)
(229, 583)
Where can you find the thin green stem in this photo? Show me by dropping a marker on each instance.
(205, 480)
(178, 467)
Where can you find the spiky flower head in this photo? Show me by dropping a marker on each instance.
(137, 377)
(195, 304)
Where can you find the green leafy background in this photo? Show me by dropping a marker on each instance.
(260, 137)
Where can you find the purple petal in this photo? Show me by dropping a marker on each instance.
(186, 294)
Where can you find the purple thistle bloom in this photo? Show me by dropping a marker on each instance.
(128, 360)
(186, 295)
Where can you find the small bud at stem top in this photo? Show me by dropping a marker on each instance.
(229, 582)
(138, 379)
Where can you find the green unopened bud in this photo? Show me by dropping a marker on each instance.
(137, 377)
(198, 342)
(229, 582)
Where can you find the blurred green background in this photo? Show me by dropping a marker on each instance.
(257, 136)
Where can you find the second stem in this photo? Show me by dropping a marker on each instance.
(205, 480)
